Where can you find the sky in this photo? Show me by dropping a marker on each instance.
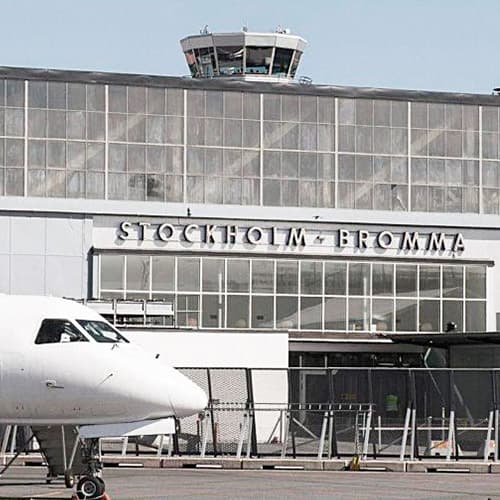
(411, 44)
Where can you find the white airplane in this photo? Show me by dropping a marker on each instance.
(62, 364)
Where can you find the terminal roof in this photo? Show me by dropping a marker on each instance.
(247, 86)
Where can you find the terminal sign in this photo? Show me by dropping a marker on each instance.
(291, 237)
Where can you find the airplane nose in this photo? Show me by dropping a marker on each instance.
(188, 398)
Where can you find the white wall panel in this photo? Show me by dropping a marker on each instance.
(28, 235)
(4, 273)
(4, 235)
(63, 277)
(64, 237)
(27, 274)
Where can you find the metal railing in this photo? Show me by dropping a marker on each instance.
(323, 413)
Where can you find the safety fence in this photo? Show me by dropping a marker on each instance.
(389, 413)
(398, 413)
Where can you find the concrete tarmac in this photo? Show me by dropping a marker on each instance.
(215, 484)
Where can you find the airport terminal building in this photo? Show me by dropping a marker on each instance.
(257, 206)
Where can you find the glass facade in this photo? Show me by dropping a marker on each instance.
(123, 142)
(320, 295)
(223, 60)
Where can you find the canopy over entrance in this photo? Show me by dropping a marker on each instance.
(445, 340)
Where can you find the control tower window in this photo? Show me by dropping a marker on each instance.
(295, 63)
(191, 62)
(205, 58)
(230, 60)
(282, 60)
(258, 60)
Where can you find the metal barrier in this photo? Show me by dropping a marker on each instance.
(324, 413)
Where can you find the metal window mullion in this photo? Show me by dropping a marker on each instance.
(299, 295)
(184, 148)
(347, 295)
(409, 161)
(417, 302)
(250, 293)
(261, 151)
(150, 277)
(224, 296)
(106, 141)
(25, 186)
(200, 306)
(480, 117)
(124, 276)
(273, 55)
(441, 287)
(176, 296)
(216, 57)
(98, 272)
(323, 308)
(275, 271)
(463, 299)
(336, 151)
(288, 73)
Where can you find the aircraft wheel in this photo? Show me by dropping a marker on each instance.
(90, 487)
(69, 479)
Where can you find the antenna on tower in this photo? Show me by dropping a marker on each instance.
(204, 30)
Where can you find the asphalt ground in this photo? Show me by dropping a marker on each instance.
(216, 484)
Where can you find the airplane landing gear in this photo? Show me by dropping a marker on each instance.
(91, 485)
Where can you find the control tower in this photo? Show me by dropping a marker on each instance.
(244, 55)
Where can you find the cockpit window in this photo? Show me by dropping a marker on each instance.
(101, 331)
(54, 331)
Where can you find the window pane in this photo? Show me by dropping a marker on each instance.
(282, 60)
(429, 316)
(453, 279)
(382, 314)
(188, 274)
(359, 279)
(163, 273)
(237, 311)
(263, 276)
(286, 312)
(213, 275)
(187, 310)
(311, 277)
(383, 279)
(406, 316)
(311, 313)
(475, 316)
(335, 278)
(258, 59)
(406, 280)
(335, 313)
(212, 315)
(287, 276)
(430, 281)
(452, 313)
(262, 311)
(112, 272)
(238, 276)
(475, 282)
(359, 314)
(137, 272)
(230, 60)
